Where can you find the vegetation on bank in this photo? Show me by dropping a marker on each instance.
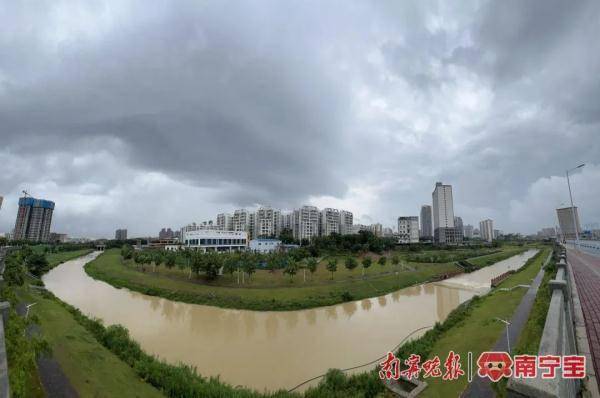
(470, 327)
(110, 268)
(21, 350)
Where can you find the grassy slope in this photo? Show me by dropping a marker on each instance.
(483, 261)
(480, 331)
(92, 369)
(108, 267)
(58, 258)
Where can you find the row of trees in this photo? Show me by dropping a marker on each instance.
(212, 264)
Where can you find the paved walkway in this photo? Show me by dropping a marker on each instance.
(480, 387)
(586, 270)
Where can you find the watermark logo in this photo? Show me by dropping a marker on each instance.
(494, 365)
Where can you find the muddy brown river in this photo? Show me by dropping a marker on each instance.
(270, 350)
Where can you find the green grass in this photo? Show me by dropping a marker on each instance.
(92, 369)
(484, 261)
(110, 268)
(60, 257)
(479, 331)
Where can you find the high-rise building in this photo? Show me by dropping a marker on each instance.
(486, 229)
(426, 222)
(377, 229)
(225, 222)
(121, 234)
(444, 230)
(468, 231)
(1, 200)
(306, 223)
(33, 219)
(166, 233)
(267, 223)
(567, 224)
(329, 222)
(243, 221)
(408, 229)
(346, 221)
(458, 224)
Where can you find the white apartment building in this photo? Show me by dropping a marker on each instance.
(267, 222)
(486, 229)
(329, 222)
(215, 240)
(225, 222)
(243, 220)
(346, 222)
(306, 223)
(444, 230)
(377, 229)
(468, 231)
(408, 229)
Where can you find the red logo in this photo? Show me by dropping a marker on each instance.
(494, 365)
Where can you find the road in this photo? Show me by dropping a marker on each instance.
(586, 271)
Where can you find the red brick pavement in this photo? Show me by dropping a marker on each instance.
(586, 270)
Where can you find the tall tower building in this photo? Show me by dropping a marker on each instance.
(567, 223)
(306, 223)
(426, 222)
(267, 222)
(225, 222)
(346, 222)
(329, 222)
(444, 230)
(486, 230)
(33, 219)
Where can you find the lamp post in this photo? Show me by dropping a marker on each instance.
(572, 206)
(507, 323)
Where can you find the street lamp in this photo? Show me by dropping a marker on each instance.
(507, 323)
(572, 206)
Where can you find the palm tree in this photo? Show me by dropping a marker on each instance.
(332, 266)
(311, 264)
(291, 269)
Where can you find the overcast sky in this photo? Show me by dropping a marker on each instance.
(145, 114)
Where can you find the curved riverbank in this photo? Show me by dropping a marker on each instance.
(110, 268)
(262, 350)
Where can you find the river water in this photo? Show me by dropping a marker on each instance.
(270, 350)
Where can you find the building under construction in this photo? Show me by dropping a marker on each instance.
(33, 219)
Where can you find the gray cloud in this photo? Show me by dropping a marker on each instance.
(238, 103)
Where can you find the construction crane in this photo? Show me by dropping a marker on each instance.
(25, 193)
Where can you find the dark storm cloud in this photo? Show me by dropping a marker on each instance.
(221, 92)
(190, 108)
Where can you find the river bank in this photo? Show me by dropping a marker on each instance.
(261, 350)
(262, 295)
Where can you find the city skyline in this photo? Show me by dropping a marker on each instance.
(364, 112)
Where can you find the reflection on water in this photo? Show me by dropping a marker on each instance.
(263, 350)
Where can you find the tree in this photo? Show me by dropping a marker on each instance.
(157, 257)
(230, 264)
(37, 264)
(127, 252)
(211, 265)
(332, 266)
(291, 269)
(350, 263)
(249, 266)
(196, 263)
(187, 255)
(311, 264)
(395, 260)
(366, 263)
(170, 260)
(382, 260)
